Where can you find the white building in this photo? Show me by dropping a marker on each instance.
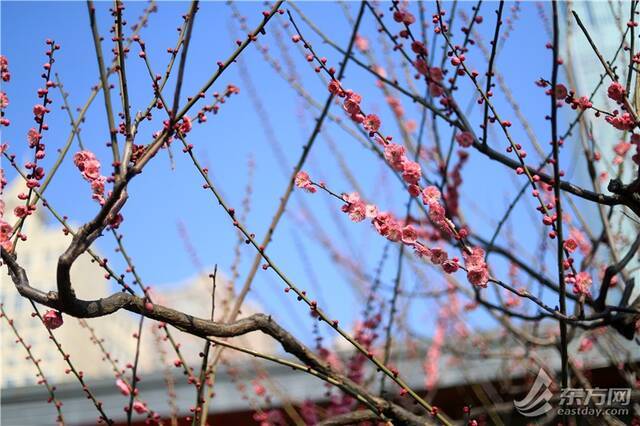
(39, 256)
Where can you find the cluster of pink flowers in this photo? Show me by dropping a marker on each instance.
(4, 69)
(4, 100)
(5, 234)
(616, 92)
(89, 166)
(302, 181)
(581, 283)
(582, 102)
(357, 209)
(404, 16)
(395, 230)
(580, 239)
(621, 121)
(52, 319)
(477, 271)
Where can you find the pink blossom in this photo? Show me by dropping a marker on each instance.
(411, 172)
(621, 122)
(362, 43)
(352, 103)
(5, 234)
(124, 388)
(33, 137)
(334, 87)
(422, 66)
(450, 266)
(52, 319)
(582, 283)
(259, 389)
(140, 407)
(435, 90)
(371, 211)
(438, 255)
(21, 211)
(430, 195)
(436, 74)
(394, 154)
(372, 123)
(583, 102)
(570, 245)
(404, 16)
(97, 185)
(4, 68)
(39, 110)
(186, 126)
(586, 344)
(395, 232)
(436, 213)
(409, 235)
(616, 92)
(91, 170)
(421, 251)
(302, 181)
(381, 222)
(465, 139)
(355, 207)
(622, 148)
(477, 271)
(583, 242)
(560, 92)
(4, 100)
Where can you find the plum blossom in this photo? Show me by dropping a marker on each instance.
(616, 92)
(438, 256)
(334, 87)
(430, 195)
(371, 123)
(33, 137)
(362, 43)
(89, 166)
(560, 92)
(409, 235)
(477, 271)
(465, 139)
(5, 234)
(4, 100)
(394, 154)
(450, 266)
(302, 181)
(404, 16)
(186, 125)
(4, 68)
(582, 283)
(39, 110)
(371, 211)
(581, 240)
(570, 245)
(140, 407)
(411, 172)
(621, 122)
(388, 226)
(355, 207)
(352, 102)
(124, 388)
(52, 319)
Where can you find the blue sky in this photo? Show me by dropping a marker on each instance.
(162, 197)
